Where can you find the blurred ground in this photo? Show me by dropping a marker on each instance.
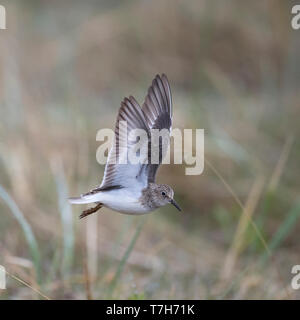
(233, 66)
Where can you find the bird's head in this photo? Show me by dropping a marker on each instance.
(164, 194)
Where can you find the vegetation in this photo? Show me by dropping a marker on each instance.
(233, 68)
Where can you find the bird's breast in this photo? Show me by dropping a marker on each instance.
(124, 201)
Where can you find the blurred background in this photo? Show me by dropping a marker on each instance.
(233, 67)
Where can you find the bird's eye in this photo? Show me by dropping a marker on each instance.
(163, 193)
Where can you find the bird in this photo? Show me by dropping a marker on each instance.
(131, 188)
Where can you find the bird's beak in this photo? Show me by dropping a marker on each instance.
(173, 202)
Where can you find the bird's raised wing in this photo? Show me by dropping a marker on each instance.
(157, 109)
(156, 113)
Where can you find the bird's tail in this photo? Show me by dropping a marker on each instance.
(85, 198)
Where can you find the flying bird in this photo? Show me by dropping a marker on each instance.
(131, 188)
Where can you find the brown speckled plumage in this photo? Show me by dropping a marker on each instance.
(152, 197)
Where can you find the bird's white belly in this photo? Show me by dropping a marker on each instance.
(124, 201)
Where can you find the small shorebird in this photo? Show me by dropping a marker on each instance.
(131, 188)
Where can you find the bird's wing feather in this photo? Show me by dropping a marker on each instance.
(116, 173)
(156, 113)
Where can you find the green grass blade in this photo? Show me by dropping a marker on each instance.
(66, 217)
(286, 227)
(125, 258)
(28, 233)
(284, 230)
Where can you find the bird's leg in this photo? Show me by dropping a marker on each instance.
(90, 211)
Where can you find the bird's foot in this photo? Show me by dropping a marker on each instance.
(90, 210)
